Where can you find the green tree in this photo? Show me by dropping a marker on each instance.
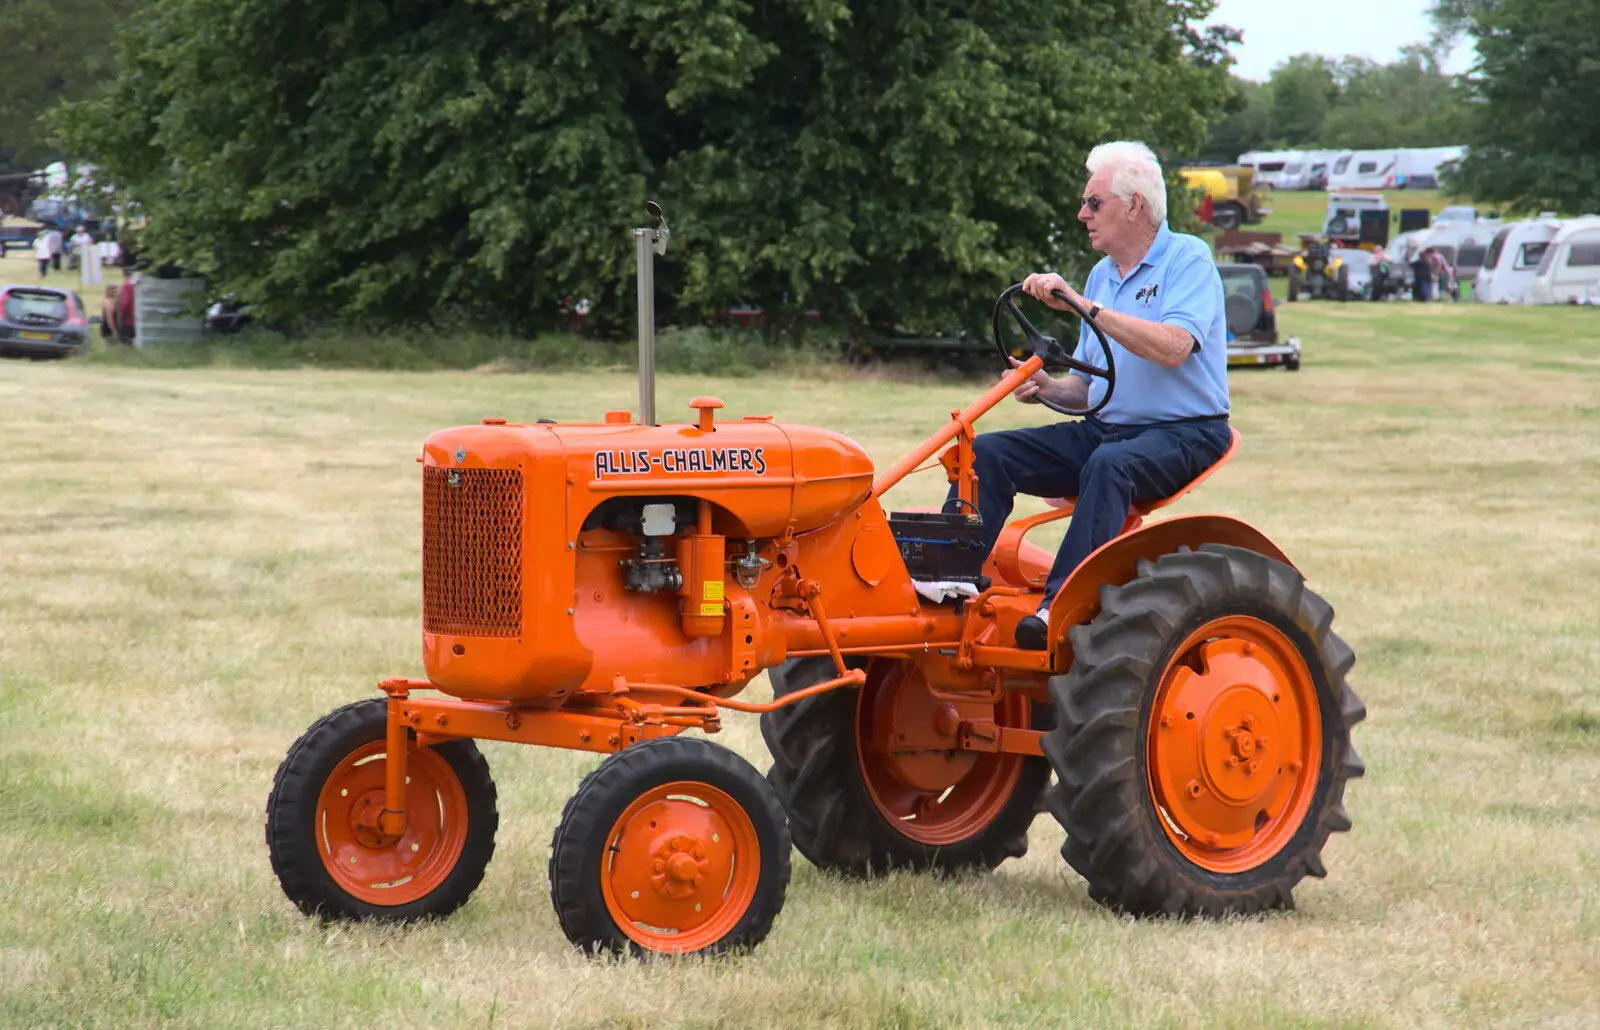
(1303, 90)
(1534, 141)
(50, 50)
(892, 159)
(1246, 123)
(1409, 102)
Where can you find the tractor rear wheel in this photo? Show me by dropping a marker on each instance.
(673, 846)
(859, 805)
(1203, 738)
(322, 836)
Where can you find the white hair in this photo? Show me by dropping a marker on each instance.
(1134, 169)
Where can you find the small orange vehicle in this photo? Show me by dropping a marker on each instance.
(605, 586)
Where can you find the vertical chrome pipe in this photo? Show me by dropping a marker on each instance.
(643, 239)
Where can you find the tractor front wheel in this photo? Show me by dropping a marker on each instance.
(673, 846)
(1203, 744)
(870, 785)
(322, 834)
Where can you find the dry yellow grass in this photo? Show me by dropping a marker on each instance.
(195, 565)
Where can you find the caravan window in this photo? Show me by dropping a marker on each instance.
(1271, 166)
(1585, 251)
(1340, 165)
(1495, 247)
(1469, 256)
(1366, 167)
(1530, 254)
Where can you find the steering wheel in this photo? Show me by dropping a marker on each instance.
(1054, 355)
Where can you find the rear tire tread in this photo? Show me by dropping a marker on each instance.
(1114, 837)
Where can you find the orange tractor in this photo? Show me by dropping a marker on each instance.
(605, 586)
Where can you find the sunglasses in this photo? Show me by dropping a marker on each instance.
(1093, 202)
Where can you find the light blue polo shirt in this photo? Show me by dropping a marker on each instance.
(1176, 283)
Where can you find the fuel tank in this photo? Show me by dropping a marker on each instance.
(507, 610)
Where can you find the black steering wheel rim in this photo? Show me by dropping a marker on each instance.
(1050, 351)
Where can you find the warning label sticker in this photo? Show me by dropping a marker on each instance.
(713, 590)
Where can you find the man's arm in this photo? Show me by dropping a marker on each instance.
(1068, 391)
(1165, 344)
(1168, 342)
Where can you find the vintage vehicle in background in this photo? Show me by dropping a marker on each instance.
(1356, 218)
(1318, 271)
(1232, 191)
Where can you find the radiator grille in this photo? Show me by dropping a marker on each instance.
(472, 551)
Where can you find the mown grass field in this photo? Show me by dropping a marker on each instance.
(194, 565)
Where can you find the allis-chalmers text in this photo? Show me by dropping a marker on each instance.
(679, 461)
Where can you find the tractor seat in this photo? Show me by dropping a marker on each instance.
(1007, 553)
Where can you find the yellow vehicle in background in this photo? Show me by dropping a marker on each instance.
(1229, 192)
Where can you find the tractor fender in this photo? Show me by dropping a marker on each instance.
(1117, 562)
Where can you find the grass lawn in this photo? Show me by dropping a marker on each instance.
(194, 565)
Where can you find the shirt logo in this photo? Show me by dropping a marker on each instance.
(1147, 294)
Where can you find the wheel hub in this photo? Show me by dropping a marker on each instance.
(1231, 726)
(680, 867)
(390, 869)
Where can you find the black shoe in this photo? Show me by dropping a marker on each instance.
(1033, 632)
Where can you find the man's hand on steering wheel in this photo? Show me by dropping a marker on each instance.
(1039, 284)
(1033, 386)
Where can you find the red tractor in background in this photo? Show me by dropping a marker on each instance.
(605, 586)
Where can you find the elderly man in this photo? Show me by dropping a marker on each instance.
(1158, 298)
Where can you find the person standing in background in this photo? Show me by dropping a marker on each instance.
(58, 246)
(1422, 275)
(41, 250)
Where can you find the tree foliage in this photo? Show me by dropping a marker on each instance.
(50, 50)
(1314, 102)
(1535, 128)
(888, 160)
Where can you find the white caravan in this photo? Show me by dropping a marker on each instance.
(1364, 170)
(1569, 272)
(1463, 244)
(1417, 168)
(1319, 164)
(1513, 260)
(1269, 166)
(1297, 174)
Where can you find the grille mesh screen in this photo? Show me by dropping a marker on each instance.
(472, 551)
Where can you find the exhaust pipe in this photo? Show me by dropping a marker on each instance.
(647, 244)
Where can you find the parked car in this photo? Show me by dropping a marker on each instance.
(42, 322)
(1252, 323)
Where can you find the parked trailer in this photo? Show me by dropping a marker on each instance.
(1418, 168)
(1364, 169)
(1463, 244)
(1569, 271)
(1513, 260)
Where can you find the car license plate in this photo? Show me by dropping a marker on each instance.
(26, 335)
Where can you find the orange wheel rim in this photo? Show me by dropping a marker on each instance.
(926, 786)
(1234, 744)
(387, 870)
(680, 867)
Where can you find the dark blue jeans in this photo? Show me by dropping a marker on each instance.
(1106, 467)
